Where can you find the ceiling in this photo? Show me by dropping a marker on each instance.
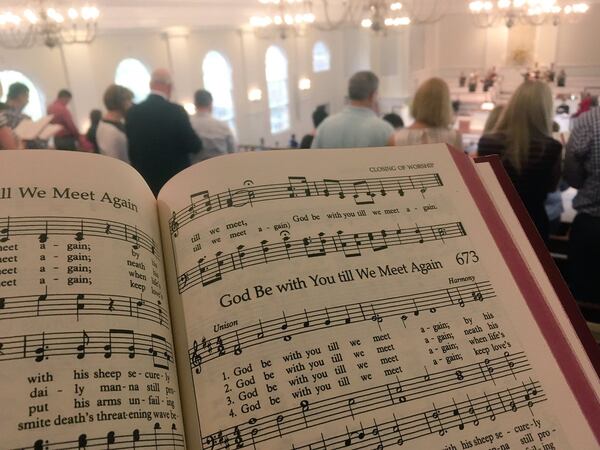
(194, 14)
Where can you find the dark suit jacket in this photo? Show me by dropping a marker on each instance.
(160, 139)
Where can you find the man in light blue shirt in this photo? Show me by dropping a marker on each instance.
(357, 125)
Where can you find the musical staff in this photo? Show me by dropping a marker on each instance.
(156, 439)
(309, 415)
(79, 228)
(286, 327)
(80, 305)
(438, 420)
(79, 345)
(361, 191)
(209, 271)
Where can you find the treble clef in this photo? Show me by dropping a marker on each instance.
(174, 225)
(196, 358)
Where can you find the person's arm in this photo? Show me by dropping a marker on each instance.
(66, 120)
(578, 148)
(8, 140)
(191, 143)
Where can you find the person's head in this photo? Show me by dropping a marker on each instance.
(431, 105)
(362, 89)
(319, 115)
(95, 116)
(203, 100)
(161, 81)
(529, 114)
(64, 96)
(118, 99)
(394, 120)
(18, 96)
(492, 120)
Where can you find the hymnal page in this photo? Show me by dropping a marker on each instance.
(355, 299)
(86, 354)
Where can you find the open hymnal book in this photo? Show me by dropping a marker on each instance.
(29, 130)
(357, 299)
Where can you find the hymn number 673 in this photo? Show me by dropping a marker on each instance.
(467, 257)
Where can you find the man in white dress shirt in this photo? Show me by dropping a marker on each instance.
(217, 138)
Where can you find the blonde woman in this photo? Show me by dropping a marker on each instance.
(523, 139)
(432, 110)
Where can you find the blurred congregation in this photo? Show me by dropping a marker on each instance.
(527, 93)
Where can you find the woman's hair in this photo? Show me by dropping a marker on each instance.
(115, 97)
(492, 120)
(431, 105)
(528, 115)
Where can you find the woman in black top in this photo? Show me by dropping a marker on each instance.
(523, 139)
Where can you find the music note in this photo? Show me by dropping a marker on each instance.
(441, 232)
(284, 327)
(375, 432)
(261, 333)
(85, 341)
(157, 356)
(82, 441)
(110, 439)
(511, 364)
(40, 351)
(456, 412)
(351, 402)
(156, 428)
(396, 429)
(306, 323)
(348, 319)
(79, 236)
(426, 377)
(328, 319)
(265, 249)
(472, 412)
(416, 311)
(203, 195)
(278, 421)
(348, 441)
(43, 297)
(39, 445)
(134, 236)
(369, 197)
(5, 232)
(337, 187)
(298, 184)
(418, 231)
(135, 437)
(489, 408)
(459, 375)
(237, 348)
(43, 237)
(436, 416)
(79, 305)
(304, 407)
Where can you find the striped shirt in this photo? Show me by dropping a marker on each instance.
(583, 155)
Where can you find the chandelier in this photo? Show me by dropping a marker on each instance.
(50, 26)
(529, 12)
(284, 17)
(380, 15)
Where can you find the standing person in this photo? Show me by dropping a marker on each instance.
(90, 135)
(17, 99)
(432, 110)
(582, 171)
(110, 133)
(159, 133)
(68, 137)
(217, 138)
(523, 139)
(318, 116)
(357, 125)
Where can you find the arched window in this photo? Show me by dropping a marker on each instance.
(133, 74)
(276, 69)
(34, 108)
(321, 57)
(218, 80)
